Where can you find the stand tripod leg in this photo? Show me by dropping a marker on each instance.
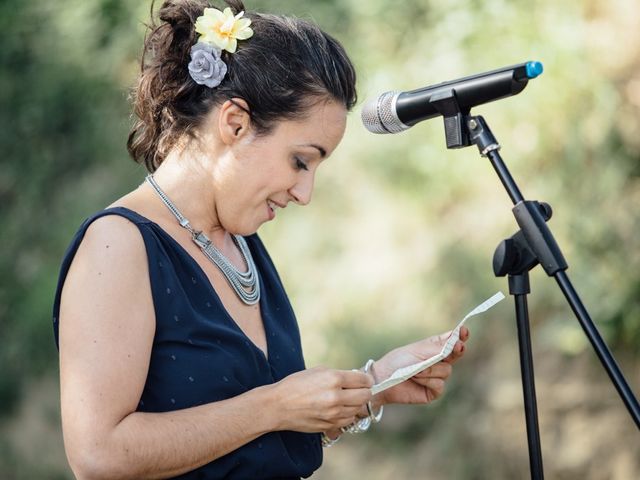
(519, 288)
(600, 347)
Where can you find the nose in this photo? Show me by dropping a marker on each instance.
(302, 190)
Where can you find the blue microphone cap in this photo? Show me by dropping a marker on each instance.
(534, 69)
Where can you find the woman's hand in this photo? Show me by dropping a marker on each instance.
(320, 399)
(427, 385)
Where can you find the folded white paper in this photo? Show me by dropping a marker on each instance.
(405, 373)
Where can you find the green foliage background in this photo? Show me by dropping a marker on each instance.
(398, 241)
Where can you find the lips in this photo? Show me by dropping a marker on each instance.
(271, 207)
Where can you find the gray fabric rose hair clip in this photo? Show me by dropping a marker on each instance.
(218, 31)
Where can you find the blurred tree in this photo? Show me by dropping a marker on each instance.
(63, 117)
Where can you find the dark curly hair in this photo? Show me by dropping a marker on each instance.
(287, 65)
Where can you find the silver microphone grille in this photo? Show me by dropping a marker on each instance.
(379, 115)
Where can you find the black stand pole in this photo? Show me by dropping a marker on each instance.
(519, 288)
(532, 244)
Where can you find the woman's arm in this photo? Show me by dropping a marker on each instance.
(107, 325)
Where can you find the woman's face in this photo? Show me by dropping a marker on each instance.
(260, 174)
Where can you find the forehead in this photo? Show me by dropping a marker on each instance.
(323, 124)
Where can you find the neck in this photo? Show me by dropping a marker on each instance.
(190, 188)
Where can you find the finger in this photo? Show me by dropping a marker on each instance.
(435, 386)
(441, 339)
(355, 397)
(340, 416)
(457, 352)
(345, 421)
(464, 333)
(355, 379)
(443, 372)
(351, 412)
(330, 414)
(430, 346)
(439, 370)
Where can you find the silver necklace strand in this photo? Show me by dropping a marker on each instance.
(245, 284)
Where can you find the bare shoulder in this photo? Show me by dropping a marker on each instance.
(107, 290)
(113, 231)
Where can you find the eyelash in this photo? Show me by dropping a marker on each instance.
(300, 165)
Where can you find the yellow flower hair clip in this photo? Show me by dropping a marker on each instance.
(223, 29)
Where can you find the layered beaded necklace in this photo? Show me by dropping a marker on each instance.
(245, 284)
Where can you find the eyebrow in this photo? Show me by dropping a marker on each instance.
(323, 152)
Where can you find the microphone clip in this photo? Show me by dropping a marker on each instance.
(455, 126)
(461, 129)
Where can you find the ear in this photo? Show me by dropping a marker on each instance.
(234, 120)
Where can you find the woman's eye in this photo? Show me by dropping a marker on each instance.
(300, 165)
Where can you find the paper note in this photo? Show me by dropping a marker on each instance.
(405, 373)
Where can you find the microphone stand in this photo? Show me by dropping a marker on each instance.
(533, 244)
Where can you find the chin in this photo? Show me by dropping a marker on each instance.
(243, 230)
(242, 225)
(247, 232)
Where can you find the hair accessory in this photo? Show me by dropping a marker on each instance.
(218, 31)
(223, 29)
(206, 67)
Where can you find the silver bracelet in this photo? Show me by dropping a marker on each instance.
(329, 442)
(375, 417)
(362, 425)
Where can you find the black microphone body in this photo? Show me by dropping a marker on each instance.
(393, 112)
(414, 106)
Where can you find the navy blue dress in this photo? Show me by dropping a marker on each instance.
(200, 355)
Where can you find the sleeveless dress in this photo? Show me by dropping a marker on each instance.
(200, 355)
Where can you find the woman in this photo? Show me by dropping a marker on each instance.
(179, 352)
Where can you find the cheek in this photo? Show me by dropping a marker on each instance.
(262, 170)
(269, 176)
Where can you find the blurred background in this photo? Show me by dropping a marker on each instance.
(396, 245)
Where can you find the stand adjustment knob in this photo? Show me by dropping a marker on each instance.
(505, 257)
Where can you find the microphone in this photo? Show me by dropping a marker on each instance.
(395, 112)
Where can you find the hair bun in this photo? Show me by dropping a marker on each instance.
(181, 14)
(236, 6)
